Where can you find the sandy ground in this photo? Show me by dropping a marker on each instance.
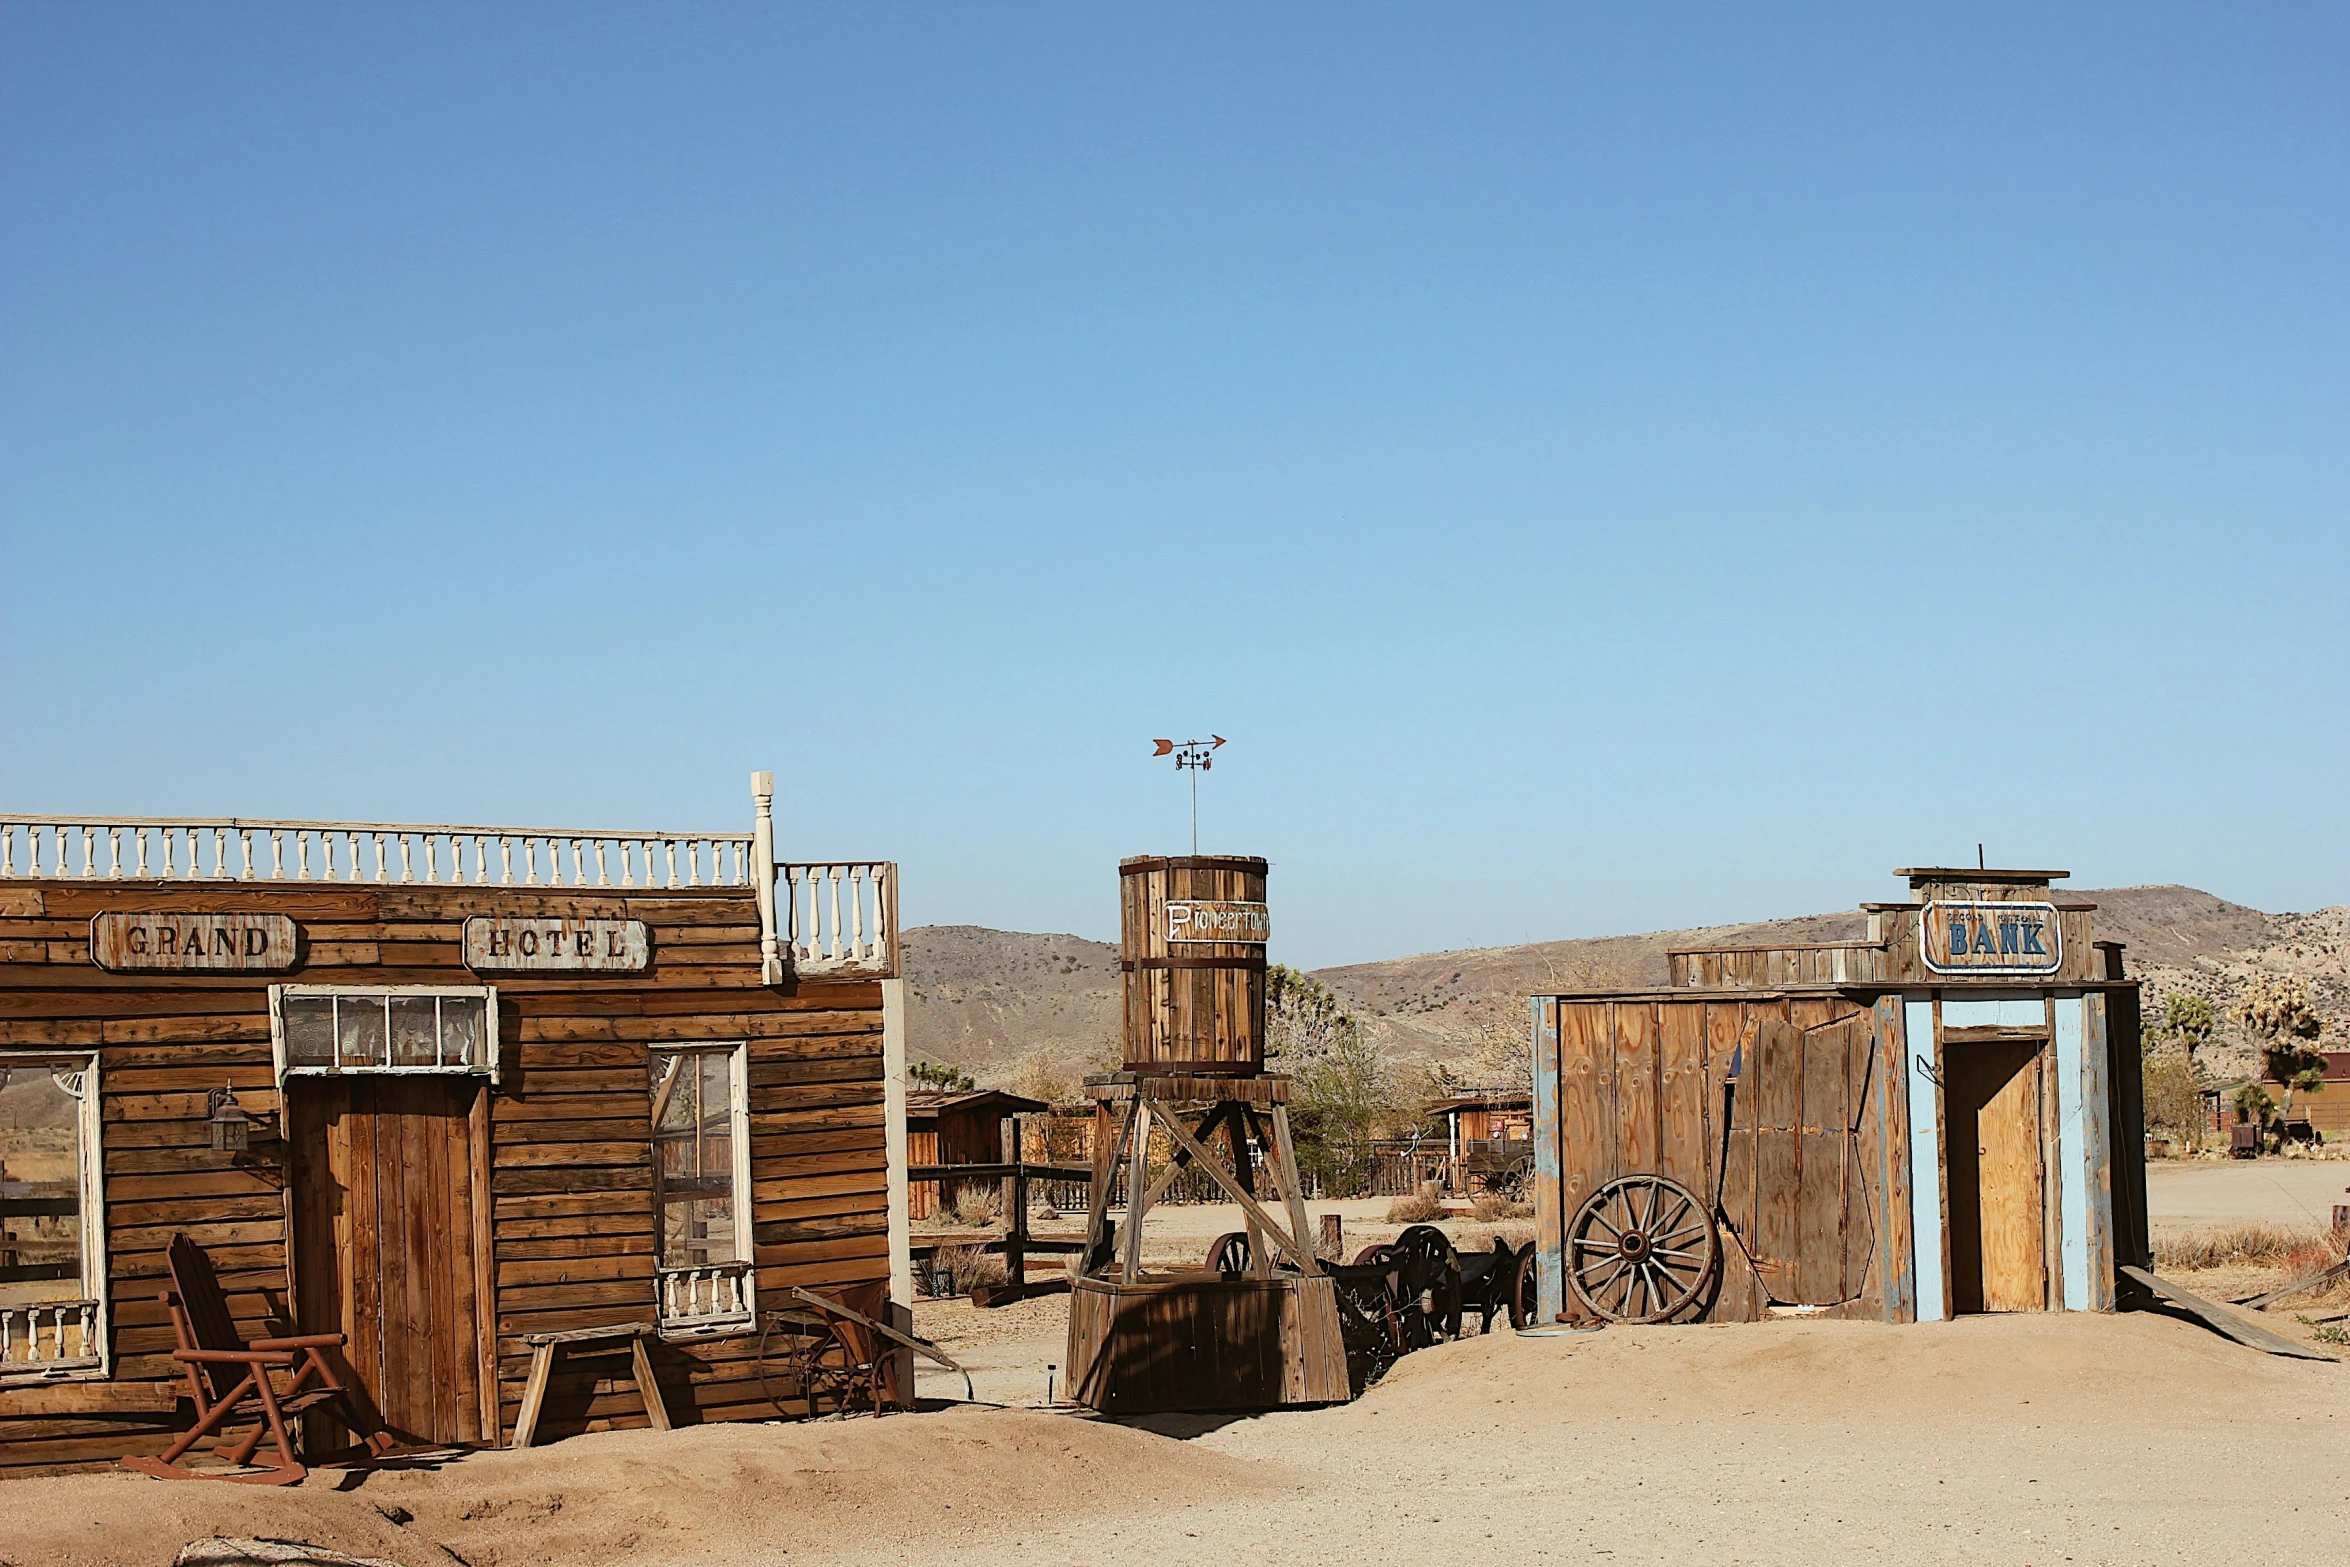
(2193, 1194)
(2027, 1439)
(2024, 1439)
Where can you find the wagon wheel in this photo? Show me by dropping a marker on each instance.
(1229, 1255)
(1521, 1286)
(1427, 1285)
(1639, 1249)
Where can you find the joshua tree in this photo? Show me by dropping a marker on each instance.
(2277, 1019)
(2189, 1020)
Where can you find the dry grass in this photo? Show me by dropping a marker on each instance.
(977, 1205)
(1492, 1208)
(2249, 1246)
(968, 1265)
(1414, 1210)
(1480, 1237)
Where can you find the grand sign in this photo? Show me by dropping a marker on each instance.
(1217, 919)
(528, 943)
(1991, 938)
(194, 943)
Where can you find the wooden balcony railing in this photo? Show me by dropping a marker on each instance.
(705, 1299)
(50, 1338)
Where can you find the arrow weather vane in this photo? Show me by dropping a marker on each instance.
(1195, 756)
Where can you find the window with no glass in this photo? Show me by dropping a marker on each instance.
(52, 1220)
(701, 1187)
(375, 1028)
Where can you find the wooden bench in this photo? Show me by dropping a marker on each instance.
(544, 1347)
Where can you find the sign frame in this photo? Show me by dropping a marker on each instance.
(155, 941)
(1252, 922)
(556, 944)
(1935, 918)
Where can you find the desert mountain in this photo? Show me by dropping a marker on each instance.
(989, 1000)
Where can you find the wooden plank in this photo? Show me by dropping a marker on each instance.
(1821, 1146)
(1639, 1120)
(86, 1398)
(1777, 1084)
(1684, 1152)
(2219, 1319)
(1587, 1142)
(2013, 1182)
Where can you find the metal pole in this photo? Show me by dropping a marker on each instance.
(1195, 813)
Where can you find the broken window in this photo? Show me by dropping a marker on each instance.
(701, 1188)
(52, 1220)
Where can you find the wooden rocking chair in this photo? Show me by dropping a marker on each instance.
(230, 1378)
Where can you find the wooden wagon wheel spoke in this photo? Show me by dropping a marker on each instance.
(1640, 1249)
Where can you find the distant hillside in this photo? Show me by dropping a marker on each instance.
(984, 999)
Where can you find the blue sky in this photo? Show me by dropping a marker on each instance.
(1605, 470)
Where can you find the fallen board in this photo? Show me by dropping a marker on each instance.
(2219, 1320)
(2317, 1280)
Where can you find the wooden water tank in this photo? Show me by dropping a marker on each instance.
(1192, 936)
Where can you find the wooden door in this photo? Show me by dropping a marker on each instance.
(1998, 1258)
(390, 1226)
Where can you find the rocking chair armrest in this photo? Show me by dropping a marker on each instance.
(235, 1357)
(299, 1341)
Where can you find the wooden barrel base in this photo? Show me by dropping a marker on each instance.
(1200, 1341)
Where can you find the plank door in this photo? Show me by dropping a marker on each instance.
(389, 1230)
(1998, 1192)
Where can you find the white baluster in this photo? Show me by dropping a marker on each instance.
(603, 879)
(835, 872)
(432, 841)
(407, 863)
(301, 855)
(277, 854)
(578, 865)
(244, 854)
(139, 838)
(220, 851)
(89, 848)
(669, 845)
(379, 858)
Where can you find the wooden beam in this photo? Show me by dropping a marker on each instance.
(1299, 1253)
(2220, 1320)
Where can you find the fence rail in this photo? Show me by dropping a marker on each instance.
(714, 1295)
(174, 848)
(840, 917)
(50, 1336)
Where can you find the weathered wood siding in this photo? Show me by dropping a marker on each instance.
(569, 1180)
(1808, 1149)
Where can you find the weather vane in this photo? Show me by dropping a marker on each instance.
(1195, 756)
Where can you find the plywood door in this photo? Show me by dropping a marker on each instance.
(388, 1230)
(1998, 1259)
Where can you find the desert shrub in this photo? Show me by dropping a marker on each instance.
(1493, 1207)
(976, 1204)
(1414, 1210)
(968, 1265)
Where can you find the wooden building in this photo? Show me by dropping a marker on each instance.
(959, 1128)
(1943, 1117)
(492, 1082)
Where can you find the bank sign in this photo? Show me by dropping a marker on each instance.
(1991, 938)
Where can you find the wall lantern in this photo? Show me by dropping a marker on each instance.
(231, 1127)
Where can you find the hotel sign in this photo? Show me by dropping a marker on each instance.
(194, 943)
(1991, 938)
(1217, 920)
(533, 944)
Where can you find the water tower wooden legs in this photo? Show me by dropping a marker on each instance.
(1187, 1336)
(1255, 1113)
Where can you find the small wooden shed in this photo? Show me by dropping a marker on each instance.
(483, 1082)
(959, 1128)
(1941, 1118)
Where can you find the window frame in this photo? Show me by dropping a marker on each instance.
(92, 1182)
(279, 995)
(738, 1095)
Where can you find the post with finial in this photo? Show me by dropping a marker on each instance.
(763, 877)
